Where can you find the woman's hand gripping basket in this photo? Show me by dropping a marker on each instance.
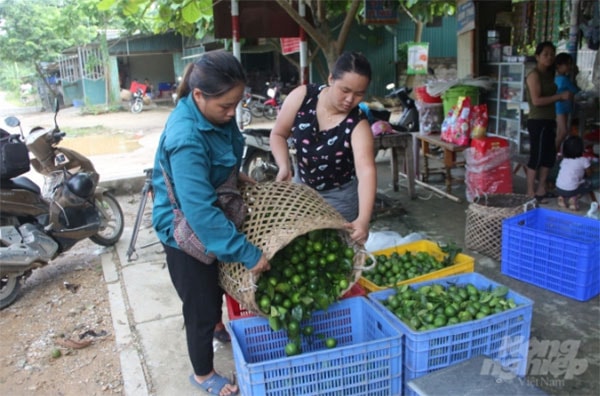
(279, 212)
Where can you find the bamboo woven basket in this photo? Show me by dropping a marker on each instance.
(279, 212)
(483, 231)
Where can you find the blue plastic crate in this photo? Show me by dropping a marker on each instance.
(554, 250)
(366, 361)
(504, 336)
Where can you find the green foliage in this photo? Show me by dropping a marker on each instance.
(187, 17)
(403, 52)
(426, 10)
(21, 40)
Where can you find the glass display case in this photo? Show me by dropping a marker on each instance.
(507, 107)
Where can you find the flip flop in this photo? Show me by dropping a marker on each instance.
(541, 199)
(550, 195)
(222, 335)
(212, 385)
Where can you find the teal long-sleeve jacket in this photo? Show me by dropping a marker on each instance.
(198, 156)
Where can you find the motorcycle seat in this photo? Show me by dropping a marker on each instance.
(23, 183)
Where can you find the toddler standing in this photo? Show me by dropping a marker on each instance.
(571, 182)
(563, 64)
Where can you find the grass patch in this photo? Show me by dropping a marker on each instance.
(100, 109)
(86, 131)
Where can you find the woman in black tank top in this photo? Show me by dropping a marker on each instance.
(333, 141)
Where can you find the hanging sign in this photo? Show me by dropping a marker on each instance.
(381, 12)
(418, 56)
(465, 17)
(290, 45)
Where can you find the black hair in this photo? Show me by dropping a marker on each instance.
(351, 62)
(215, 73)
(563, 58)
(540, 47)
(572, 147)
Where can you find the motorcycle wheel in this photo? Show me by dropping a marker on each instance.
(137, 106)
(270, 112)
(257, 109)
(260, 166)
(111, 216)
(10, 285)
(246, 117)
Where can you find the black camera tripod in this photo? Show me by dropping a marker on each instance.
(147, 190)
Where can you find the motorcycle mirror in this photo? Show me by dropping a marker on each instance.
(12, 121)
(390, 86)
(271, 92)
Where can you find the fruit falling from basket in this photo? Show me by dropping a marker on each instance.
(308, 274)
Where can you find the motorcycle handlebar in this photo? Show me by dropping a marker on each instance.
(57, 135)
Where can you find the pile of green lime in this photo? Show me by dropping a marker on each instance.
(395, 268)
(308, 274)
(434, 306)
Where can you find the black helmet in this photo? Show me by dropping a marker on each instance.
(81, 184)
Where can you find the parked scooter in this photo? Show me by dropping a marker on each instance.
(37, 225)
(258, 161)
(267, 107)
(409, 118)
(137, 101)
(246, 113)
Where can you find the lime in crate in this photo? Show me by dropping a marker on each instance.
(501, 334)
(366, 360)
(414, 262)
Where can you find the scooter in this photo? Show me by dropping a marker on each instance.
(137, 101)
(409, 118)
(257, 160)
(38, 224)
(267, 107)
(246, 113)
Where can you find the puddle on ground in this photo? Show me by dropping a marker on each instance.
(102, 144)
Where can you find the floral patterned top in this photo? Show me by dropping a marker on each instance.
(325, 158)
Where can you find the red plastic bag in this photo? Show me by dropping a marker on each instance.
(479, 121)
(456, 127)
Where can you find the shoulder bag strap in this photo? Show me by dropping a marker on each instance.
(169, 188)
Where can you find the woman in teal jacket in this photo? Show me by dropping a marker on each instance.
(199, 148)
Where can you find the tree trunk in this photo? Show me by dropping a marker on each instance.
(107, 69)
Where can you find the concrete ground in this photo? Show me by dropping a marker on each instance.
(147, 313)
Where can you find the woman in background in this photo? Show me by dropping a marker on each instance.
(541, 121)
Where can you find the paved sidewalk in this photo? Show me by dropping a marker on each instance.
(148, 324)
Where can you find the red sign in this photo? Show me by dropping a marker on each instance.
(290, 45)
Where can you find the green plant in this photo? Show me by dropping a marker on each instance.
(403, 53)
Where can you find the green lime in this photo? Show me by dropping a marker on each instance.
(292, 349)
(330, 342)
(343, 284)
(265, 302)
(317, 246)
(308, 330)
(293, 328)
(56, 353)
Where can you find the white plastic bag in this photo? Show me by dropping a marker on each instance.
(379, 240)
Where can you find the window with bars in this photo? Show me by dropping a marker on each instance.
(87, 64)
(69, 68)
